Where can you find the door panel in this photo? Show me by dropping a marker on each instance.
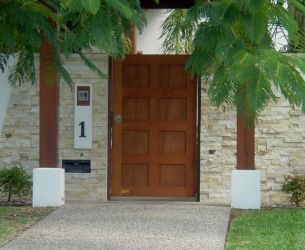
(153, 130)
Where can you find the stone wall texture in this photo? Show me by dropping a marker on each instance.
(85, 186)
(217, 151)
(19, 140)
(280, 140)
(279, 146)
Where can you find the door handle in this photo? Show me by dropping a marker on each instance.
(117, 118)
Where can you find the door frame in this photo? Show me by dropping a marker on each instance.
(109, 138)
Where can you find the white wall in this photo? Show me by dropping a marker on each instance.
(148, 40)
(5, 92)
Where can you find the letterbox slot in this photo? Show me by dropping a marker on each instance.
(77, 166)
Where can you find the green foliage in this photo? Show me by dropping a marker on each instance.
(21, 26)
(272, 229)
(233, 43)
(178, 31)
(69, 27)
(300, 18)
(295, 187)
(16, 219)
(14, 181)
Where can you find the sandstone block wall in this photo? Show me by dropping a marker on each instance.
(279, 146)
(19, 140)
(85, 186)
(280, 140)
(217, 151)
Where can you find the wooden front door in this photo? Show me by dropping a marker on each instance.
(153, 127)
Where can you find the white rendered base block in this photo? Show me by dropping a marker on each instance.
(48, 187)
(245, 189)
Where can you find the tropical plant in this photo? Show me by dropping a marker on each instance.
(295, 187)
(233, 42)
(14, 181)
(69, 27)
(177, 32)
(300, 18)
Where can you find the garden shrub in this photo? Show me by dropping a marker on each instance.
(295, 187)
(14, 181)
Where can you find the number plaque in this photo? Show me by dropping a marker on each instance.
(83, 116)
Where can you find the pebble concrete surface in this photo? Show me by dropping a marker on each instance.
(126, 225)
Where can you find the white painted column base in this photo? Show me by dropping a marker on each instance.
(245, 189)
(48, 187)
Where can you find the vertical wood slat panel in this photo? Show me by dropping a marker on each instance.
(49, 99)
(154, 171)
(245, 145)
(133, 40)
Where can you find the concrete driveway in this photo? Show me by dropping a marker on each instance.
(126, 225)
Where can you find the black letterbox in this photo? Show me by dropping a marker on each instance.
(77, 166)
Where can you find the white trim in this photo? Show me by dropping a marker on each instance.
(48, 187)
(83, 115)
(245, 189)
(5, 93)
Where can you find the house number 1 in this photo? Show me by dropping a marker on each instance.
(82, 129)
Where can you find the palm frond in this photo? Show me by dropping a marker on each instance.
(177, 33)
(69, 27)
(235, 44)
(4, 58)
(92, 66)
